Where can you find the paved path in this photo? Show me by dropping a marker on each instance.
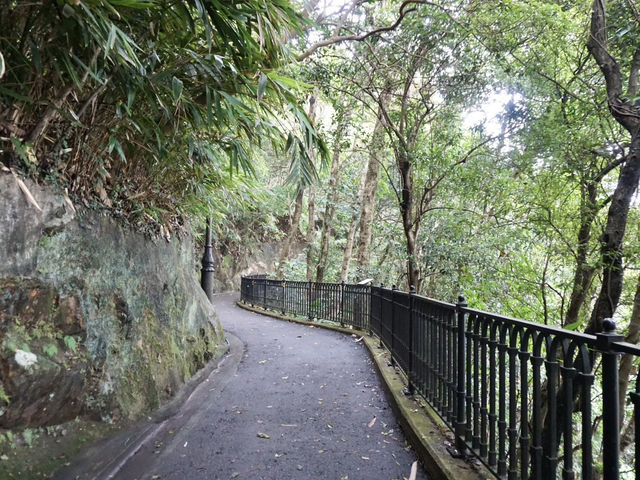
(298, 403)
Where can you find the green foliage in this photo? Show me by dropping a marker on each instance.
(124, 88)
(50, 349)
(29, 435)
(70, 342)
(4, 398)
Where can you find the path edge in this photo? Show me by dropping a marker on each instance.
(103, 459)
(422, 426)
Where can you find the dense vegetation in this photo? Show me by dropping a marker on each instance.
(143, 106)
(486, 148)
(477, 147)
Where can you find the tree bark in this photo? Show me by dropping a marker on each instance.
(292, 232)
(329, 211)
(626, 114)
(311, 206)
(611, 240)
(409, 224)
(369, 191)
(584, 272)
(311, 230)
(348, 249)
(626, 362)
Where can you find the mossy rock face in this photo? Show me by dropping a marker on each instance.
(42, 358)
(110, 323)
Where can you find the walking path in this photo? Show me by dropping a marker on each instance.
(289, 402)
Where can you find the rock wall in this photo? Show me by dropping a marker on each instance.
(95, 319)
(251, 260)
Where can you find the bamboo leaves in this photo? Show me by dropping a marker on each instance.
(127, 83)
(262, 85)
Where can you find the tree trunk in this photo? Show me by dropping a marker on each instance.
(311, 230)
(409, 226)
(292, 232)
(413, 271)
(611, 240)
(584, 272)
(626, 114)
(626, 362)
(348, 249)
(329, 211)
(369, 190)
(311, 207)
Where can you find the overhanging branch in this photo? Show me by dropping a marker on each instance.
(337, 38)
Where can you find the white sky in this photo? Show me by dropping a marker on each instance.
(488, 112)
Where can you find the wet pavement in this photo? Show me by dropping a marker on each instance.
(288, 402)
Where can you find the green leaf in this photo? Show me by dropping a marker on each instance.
(262, 85)
(70, 342)
(111, 40)
(131, 95)
(176, 88)
(15, 95)
(235, 102)
(114, 144)
(289, 82)
(4, 398)
(50, 349)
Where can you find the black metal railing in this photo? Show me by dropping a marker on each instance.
(347, 305)
(529, 400)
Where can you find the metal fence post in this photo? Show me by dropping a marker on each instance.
(410, 387)
(264, 294)
(284, 285)
(393, 322)
(380, 315)
(342, 304)
(309, 299)
(371, 287)
(461, 424)
(206, 274)
(610, 408)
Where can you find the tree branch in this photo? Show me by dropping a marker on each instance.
(621, 110)
(335, 38)
(633, 74)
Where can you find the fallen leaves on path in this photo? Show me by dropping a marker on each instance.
(414, 471)
(263, 435)
(372, 422)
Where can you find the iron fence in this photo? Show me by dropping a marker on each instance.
(528, 400)
(347, 305)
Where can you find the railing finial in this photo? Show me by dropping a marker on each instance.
(608, 325)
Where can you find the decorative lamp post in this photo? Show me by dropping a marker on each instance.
(206, 279)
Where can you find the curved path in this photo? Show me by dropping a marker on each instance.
(297, 403)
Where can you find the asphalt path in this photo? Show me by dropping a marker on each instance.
(289, 402)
